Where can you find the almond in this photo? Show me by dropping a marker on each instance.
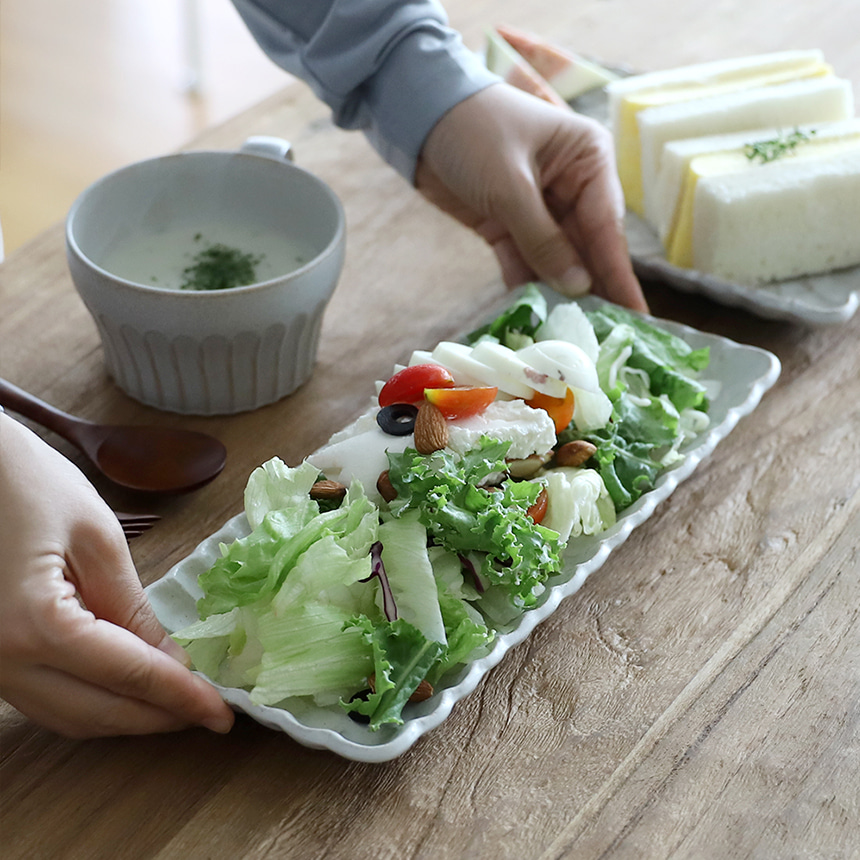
(327, 491)
(529, 466)
(423, 691)
(431, 429)
(538, 510)
(574, 453)
(385, 487)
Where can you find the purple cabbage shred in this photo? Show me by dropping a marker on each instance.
(377, 569)
(470, 569)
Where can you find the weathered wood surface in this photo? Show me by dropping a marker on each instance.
(697, 698)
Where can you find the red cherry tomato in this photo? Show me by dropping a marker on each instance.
(407, 385)
(560, 409)
(537, 511)
(461, 401)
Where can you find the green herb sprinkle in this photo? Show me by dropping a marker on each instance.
(220, 267)
(770, 150)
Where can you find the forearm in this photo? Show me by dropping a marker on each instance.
(389, 68)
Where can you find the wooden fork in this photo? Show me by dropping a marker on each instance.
(134, 525)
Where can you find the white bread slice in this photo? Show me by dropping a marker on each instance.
(686, 162)
(814, 100)
(781, 220)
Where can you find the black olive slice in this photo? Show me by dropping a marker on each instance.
(397, 419)
(355, 716)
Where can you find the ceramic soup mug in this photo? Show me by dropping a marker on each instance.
(149, 246)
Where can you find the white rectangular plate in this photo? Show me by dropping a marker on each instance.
(823, 299)
(744, 374)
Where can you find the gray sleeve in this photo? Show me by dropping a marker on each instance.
(391, 68)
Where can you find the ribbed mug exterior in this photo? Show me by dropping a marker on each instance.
(215, 375)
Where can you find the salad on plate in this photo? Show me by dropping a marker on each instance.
(398, 552)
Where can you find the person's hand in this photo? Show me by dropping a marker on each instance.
(539, 184)
(81, 651)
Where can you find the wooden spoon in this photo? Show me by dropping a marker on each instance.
(153, 459)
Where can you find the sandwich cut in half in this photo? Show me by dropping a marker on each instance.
(663, 103)
(755, 207)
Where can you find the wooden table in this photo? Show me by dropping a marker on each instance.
(697, 698)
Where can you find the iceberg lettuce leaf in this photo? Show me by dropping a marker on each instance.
(465, 630)
(308, 652)
(579, 502)
(669, 360)
(274, 486)
(254, 567)
(410, 575)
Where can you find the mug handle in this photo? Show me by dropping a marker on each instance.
(270, 147)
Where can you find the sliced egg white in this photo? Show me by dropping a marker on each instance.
(421, 356)
(462, 363)
(510, 367)
(562, 360)
(591, 410)
(569, 322)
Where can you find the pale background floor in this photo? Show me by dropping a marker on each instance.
(90, 85)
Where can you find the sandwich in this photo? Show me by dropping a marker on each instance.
(569, 74)
(759, 207)
(631, 98)
(815, 100)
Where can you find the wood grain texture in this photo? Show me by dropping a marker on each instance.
(698, 698)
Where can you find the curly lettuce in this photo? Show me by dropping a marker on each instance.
(463, 516)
